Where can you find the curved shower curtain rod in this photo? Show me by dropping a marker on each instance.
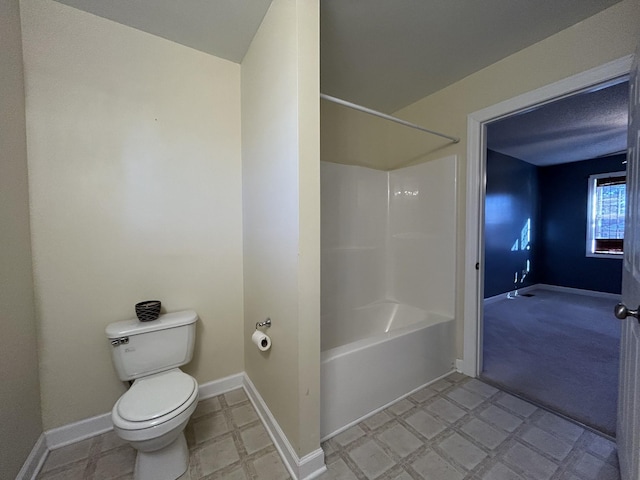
(375, 113)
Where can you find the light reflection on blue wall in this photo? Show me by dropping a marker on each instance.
(510, 217)
(498, 208)
(525, 235)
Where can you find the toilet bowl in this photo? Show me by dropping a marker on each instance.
(151, 416)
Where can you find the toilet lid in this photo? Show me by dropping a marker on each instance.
(153, 397)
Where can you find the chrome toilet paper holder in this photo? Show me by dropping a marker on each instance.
(266, 323)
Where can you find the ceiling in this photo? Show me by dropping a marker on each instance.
(388, 54)
(223, 28)
(584, 126)
(384, 54)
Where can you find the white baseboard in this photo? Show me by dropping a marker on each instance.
(459, 365)
(579, 291)
(306, 468)
(555, 288)
(78, 431)
(522, 290)
(35, 460)
(220, 386)
(90, 427)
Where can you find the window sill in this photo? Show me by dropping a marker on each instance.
(618, 256)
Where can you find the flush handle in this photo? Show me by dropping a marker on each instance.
(621, 311)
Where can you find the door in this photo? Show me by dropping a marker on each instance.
(628, 425)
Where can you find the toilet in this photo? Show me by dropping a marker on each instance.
(152, 414)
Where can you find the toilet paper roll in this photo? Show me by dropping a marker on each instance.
(262, 341)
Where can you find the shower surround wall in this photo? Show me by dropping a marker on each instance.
(354, 211)
(388, 236)
(388, 264)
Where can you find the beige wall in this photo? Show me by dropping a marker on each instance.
(604, 37)
(308, 57)
(355, 138)
(135, 179)
(20, 416)
(281, 189)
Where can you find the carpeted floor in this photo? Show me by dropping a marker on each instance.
(559, 350)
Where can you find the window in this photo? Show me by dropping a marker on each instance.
(605, 220)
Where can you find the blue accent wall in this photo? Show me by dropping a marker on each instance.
(555, 199)
(563, 193)
(511, 203)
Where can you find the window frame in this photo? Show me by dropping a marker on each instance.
(589, 246)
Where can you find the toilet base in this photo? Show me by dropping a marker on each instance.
(168, 463)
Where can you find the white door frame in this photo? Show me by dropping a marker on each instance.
(476, 183)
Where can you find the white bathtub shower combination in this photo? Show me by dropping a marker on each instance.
(401, 349)
(388, 265)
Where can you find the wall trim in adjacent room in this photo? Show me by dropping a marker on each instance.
(580, 291)
(306, 468)
(555, 288)
(495, 298)
(476, 168)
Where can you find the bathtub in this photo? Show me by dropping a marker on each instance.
(377, 354)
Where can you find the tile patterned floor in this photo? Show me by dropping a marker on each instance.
(225, 436)
(458, 428)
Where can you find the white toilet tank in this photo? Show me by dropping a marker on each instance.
(143, 348)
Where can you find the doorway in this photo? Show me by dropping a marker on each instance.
(549, 334)
(476, 171)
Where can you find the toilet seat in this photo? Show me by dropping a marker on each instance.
(154, 400)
